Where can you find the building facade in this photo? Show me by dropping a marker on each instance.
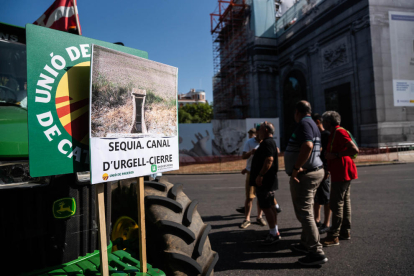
(336, 54)
(192, 97)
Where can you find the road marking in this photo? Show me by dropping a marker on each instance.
(386, 171)
(222, 188)
(211, 179)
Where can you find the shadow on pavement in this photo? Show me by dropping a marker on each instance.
(239, 249)
(282, 230)
(221, 218)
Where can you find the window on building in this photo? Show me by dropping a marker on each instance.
(339, 99)
(294, 90)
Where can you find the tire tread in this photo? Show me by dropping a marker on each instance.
(173, 192)
(178, 230)
(164, 201)
(189, 262)
(188, 215)
(198, 249)
(156, 185)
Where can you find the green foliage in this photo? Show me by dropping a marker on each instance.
(184, 117)
(152, 98)
(108, 93)
(195, 113)
(172, 103)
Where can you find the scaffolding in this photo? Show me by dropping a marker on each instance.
(230, 59)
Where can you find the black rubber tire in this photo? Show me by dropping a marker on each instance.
(177, 238)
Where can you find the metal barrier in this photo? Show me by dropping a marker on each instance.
(405, 152)
(235, 164)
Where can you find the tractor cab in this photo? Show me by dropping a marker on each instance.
(13, 94)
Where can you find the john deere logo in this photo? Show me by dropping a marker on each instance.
(105, 176)
(64, 207)
(153, 168)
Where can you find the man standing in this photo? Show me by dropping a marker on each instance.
(343, 170)
(323, 191)
(248, 151)
(305, 168)
(263, 175)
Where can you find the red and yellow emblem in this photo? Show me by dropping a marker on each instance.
(105, 176)
(73, 109)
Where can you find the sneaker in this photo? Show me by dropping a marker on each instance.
(345, 236)
(240, 210)
(261, 222)
(318, 224)
(313, 260)
(330, 241)
(323, 229)
(245, 224)
(298, 247)
(270, 239)
(278, 209)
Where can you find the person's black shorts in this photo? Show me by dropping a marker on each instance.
(323, 192)
(265, 197)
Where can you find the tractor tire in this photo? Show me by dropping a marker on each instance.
(177, 239)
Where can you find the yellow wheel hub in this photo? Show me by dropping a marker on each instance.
(125, 228)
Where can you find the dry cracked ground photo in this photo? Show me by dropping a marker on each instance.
(114, 76)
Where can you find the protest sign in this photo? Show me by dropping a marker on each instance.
(133, 116)
(58, 99)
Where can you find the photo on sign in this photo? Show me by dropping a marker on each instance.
(132, 96)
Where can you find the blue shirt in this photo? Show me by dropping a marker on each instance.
(306, 131)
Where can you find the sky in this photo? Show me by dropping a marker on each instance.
(173, 32)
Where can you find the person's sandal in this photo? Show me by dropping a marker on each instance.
(261, 222)
(278, 209)
(245, 224)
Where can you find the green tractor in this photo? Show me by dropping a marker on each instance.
(49, 224)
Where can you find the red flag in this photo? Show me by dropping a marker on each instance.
(61, 15)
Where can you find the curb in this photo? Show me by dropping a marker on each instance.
(282, 169)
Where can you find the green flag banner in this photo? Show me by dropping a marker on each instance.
(58, 74)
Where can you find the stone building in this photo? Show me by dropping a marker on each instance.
(337, 54)
(192, 97)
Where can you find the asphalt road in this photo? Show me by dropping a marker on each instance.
(382, 234)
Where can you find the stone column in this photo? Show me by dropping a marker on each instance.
(138, 120)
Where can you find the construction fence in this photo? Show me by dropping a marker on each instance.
(217, 147)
